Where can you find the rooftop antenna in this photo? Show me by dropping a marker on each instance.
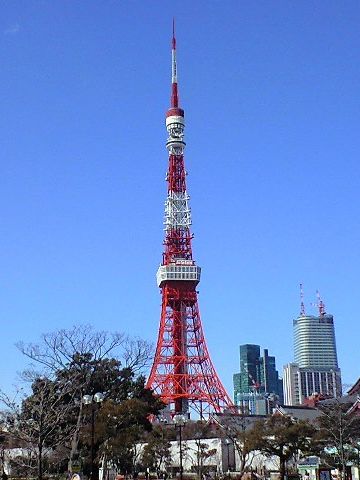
(320, 304)
(302, 305)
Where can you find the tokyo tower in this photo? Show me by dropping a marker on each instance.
(182, 373)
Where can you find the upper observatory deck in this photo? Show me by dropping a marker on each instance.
(178, 271)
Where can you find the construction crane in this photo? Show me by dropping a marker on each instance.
(255, 385)
(320, 304)
(302, 305)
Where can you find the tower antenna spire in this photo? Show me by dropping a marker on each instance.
(173, 37)
(174, 84)
(302, 305)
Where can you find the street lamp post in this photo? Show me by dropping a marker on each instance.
(93, 400)
(180, 421)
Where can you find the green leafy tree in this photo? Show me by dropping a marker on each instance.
(157, 451)
(121, 424)
(123, 416)
(283, 437)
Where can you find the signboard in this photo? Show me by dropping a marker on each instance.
(75, 468)
(324, 474)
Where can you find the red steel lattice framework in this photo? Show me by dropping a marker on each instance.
(182, 372)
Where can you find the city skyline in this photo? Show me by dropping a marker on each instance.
(271, 101)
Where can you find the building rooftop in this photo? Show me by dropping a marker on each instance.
(299, 412)
(355, 389)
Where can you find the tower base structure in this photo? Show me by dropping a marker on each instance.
(182, 373)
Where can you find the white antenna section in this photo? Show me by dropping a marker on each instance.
(177, 211)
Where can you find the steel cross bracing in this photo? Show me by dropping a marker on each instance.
(182, 372)
(177, 211)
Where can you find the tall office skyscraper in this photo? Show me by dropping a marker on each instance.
(269, 376)
(314, 341)
(315, 369)
(258, 379)
(249, 367)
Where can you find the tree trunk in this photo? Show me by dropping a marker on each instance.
(282, 469)
(75, 439)
(40, 461)
(343, 461)
(242, 465)
(243, 457)
(198, 459)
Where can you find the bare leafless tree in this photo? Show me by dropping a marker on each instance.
(38, 423)
(137, 354)
(58, 349)
(339, 431)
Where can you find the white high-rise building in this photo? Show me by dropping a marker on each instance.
(315, 369)
(300, 383)
(291, 384)
(314, 342)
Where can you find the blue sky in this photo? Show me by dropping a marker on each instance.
(271, 95)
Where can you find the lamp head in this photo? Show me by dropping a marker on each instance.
(179, 419)
(87, 399)
(99, 397)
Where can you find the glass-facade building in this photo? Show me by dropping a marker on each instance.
(249, 367)
(257, 381)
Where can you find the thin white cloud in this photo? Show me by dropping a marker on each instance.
(12, 29)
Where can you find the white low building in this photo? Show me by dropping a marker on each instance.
(219, 455)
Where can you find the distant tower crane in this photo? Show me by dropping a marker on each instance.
(320, 304)
(302, 305)
(182, 373)
(255, 385)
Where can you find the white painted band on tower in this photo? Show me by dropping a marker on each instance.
(175, 119)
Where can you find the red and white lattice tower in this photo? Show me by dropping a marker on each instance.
(182, 373)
